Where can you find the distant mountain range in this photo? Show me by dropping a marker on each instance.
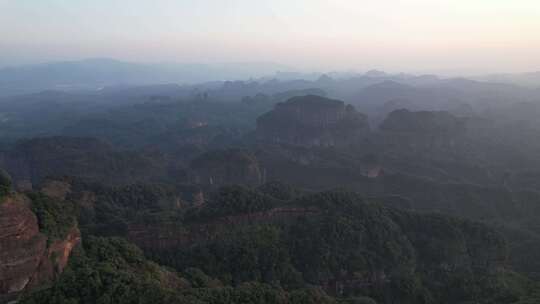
(524, 79)
(95, 73)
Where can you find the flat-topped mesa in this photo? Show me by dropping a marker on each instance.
(312, 121)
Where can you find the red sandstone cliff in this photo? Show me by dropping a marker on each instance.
(26, 258)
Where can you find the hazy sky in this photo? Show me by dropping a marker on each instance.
(406, 35)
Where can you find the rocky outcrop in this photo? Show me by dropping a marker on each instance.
(55, 258)
(312, 121)
(27, 258)
(22, 245)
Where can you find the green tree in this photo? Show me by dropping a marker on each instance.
(5, 183)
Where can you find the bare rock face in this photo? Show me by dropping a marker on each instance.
(312, 121)
(26, 258)
(55, 258)
(22, 245)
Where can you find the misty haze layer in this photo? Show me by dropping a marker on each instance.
(459, 36)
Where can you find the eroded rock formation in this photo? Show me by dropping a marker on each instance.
(27, 257)
(312, 121)
(22, 245)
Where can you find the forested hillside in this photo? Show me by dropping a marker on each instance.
(262, 192)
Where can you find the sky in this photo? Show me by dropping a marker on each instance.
(462, 36)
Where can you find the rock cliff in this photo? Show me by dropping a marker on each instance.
(22, 245)
(28, 258)
(312, 121)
